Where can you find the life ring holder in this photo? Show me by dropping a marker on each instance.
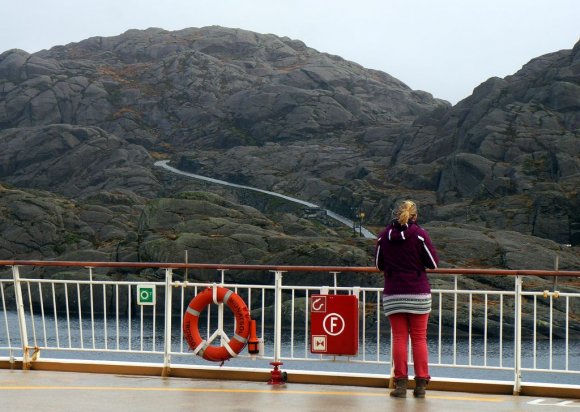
(229, 348)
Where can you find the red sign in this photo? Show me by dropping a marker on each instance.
(334, 324)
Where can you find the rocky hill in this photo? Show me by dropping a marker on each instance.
(82, 124)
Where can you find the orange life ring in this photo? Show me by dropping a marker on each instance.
(230, 347)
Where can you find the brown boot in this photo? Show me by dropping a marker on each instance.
(400, 389)
(420, 384)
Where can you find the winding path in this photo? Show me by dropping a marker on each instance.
(165, 165)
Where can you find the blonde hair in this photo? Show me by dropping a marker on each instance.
(406, 211)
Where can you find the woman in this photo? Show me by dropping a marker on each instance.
(403, 251)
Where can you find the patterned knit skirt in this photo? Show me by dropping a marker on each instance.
(420, 303)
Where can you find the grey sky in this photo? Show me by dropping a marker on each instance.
(444, 47)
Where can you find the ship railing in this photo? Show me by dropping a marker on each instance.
(513, 328)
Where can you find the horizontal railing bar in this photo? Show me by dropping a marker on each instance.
(286, 287)
(463, 366)
(473, 292)
(551, 294)
(506, 272)
(186, 266)
(100, 350)
(564, 371)
(313, 359)
(132, 283)
(357, 362)
(91, 282)
(329, 288)
(276, 268)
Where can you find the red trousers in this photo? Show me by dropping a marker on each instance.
(403, 326)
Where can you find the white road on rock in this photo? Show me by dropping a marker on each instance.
(165, 165)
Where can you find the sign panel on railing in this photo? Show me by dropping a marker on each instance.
(146, 294)
(334, 324)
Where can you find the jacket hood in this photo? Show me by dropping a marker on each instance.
(399, 233)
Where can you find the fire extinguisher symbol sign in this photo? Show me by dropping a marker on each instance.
(333, 324)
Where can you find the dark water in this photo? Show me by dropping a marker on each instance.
(125, 336)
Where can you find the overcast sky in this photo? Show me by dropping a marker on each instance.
(444, 47)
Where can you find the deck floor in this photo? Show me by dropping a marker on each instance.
(25, 391)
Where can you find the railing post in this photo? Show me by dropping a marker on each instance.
(335, 274)
(167, 339)
(518, 336)
(455, 297)
(92, 305)
(223, 276)
(277, 377)
(278, 317)
(21, 318)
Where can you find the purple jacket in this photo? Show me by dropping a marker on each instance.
(403, 253)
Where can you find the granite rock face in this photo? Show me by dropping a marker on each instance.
(514, 144)
(114, 227)
(211, 86)
(41, 225)
(74, 161)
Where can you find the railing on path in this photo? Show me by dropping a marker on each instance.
(489, 325)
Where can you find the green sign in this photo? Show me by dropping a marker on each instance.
(146, 294)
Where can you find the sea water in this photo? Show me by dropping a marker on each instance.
(136, 340)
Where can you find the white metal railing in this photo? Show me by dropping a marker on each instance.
(489, 333)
